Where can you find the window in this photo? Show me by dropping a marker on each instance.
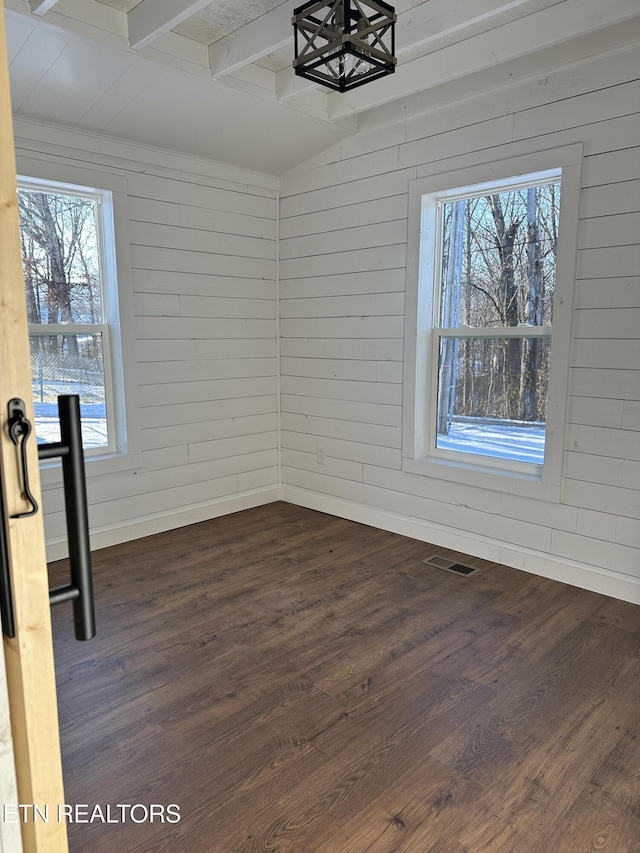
(488, 321)
(494, 304)
(71, 292)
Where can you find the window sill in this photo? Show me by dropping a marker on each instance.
(95, 468)
(484, 477)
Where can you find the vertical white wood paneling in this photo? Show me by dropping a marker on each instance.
(202, 247)
(339, 235)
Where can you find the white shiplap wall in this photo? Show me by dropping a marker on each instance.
(343, 242)
(202, 355)
(202, 245)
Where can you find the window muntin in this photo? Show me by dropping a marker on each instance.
(494, 284)
(67, 289)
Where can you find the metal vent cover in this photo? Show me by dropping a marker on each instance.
(453, 566)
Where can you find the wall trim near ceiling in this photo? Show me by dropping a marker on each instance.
(33, 135)
(572, 572)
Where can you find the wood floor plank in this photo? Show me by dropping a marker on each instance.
(442, 845)
(299, 683)
(592, 825)
(300, 820)
(411, 815)
(617, 779)
(482, 830)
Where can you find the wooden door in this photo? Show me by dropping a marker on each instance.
(29, 655)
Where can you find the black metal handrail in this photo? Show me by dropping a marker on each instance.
(69, 448)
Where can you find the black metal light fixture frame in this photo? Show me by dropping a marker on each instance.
(344, 43)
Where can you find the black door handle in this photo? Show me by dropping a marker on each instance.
(80, 589)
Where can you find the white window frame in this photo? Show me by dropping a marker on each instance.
(123, 452)
(105, 239)
(420, 455)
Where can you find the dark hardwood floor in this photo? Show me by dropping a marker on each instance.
(296, 682)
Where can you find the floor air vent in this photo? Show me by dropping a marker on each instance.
(451, 566)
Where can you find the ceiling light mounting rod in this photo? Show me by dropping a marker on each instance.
(344, 43)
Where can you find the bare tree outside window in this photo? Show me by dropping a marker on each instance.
(495, 292)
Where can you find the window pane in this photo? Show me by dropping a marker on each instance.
(60, 258)
(492, 395)
(69, 364)
(499, 258)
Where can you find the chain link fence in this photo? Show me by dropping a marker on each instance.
(67, 364)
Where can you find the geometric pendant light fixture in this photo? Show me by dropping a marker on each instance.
(344, 43)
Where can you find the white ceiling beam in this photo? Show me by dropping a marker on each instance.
(254, 40)
(289, 84)
(152, 18)
(418, 26)
(433, 23)
(41, 7)
(563, 21)
(534, 66)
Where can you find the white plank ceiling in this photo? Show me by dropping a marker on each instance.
(214, 79)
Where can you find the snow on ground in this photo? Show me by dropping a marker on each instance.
(94, 424)
(500, 439)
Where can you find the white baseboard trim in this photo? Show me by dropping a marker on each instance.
(103, 537)
(570, 572)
